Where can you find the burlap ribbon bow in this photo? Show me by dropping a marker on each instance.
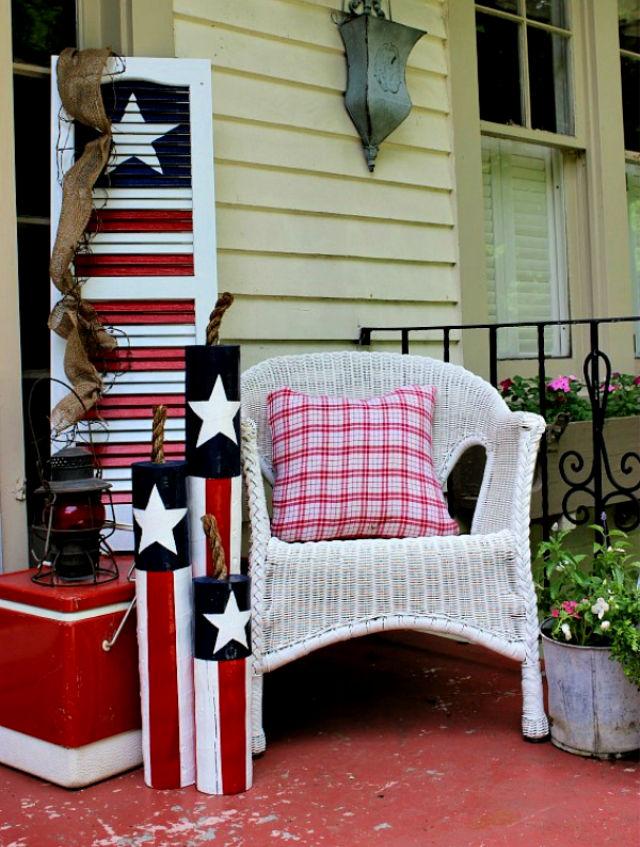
(74, 319)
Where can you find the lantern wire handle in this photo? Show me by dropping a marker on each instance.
(39, 462)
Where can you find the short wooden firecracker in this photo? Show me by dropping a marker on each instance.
(222, 676)
(165, 615)
(212, 402)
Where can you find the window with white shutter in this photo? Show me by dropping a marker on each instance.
(525, 244)
(633, 200)
(150, 268)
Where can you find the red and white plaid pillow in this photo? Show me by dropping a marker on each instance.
(355, 468)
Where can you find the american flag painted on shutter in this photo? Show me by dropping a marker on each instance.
(151, 265)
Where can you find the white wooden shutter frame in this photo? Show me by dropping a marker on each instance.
(200, 288)
(506, 247)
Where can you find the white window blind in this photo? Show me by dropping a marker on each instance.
(633, 200)
(525, 244)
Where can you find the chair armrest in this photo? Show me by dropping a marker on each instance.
(259, 522)
(504, 501)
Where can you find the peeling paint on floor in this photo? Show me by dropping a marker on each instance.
(381, 742)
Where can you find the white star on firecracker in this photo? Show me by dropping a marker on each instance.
(133, 115)
(217, 414)
(157, 522)
(231, 625)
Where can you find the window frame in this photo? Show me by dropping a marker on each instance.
(597, 230)
(632, 159)
(575, 140)
(569, 225)
(631, 156)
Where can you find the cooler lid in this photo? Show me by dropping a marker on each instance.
(19, 588)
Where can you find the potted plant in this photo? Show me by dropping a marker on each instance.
(591, 642)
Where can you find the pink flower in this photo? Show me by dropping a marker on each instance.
(560, 383)
(636, 380)
(570, 606)
(505, 385)
(555, 613)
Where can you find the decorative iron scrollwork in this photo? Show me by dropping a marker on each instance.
(600, 474)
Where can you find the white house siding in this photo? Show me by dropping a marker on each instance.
(311, 244)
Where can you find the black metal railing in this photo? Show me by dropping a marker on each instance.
(590, 479)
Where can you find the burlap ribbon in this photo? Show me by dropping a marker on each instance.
(74, 319)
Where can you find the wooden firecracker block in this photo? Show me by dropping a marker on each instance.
(222, 677)
(165, 614)
(213, 450)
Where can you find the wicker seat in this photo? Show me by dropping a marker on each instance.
(478, 586)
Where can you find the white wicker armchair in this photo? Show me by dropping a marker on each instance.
(478, 586)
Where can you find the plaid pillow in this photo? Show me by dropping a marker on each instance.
(355, 468)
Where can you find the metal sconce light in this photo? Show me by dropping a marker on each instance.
(377, 51)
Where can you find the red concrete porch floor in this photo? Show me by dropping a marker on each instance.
(370, 743)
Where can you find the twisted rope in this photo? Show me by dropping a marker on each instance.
(215, 318)
(210, 527)
(157, 434)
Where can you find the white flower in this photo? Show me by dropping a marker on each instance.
(600, 607)
(605, 625)
(567, 631)
(559, 568)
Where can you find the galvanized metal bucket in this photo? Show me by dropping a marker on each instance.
(594, 709)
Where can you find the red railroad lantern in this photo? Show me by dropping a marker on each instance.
(73, 527)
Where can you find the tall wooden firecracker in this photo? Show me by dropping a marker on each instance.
(212, 401)
(222, 650)
(222, 678)
(165, 616)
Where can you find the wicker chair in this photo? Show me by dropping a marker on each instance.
(477, 586)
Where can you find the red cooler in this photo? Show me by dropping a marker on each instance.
(69, 710)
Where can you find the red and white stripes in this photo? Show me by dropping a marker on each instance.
(223, 725)
(146, 370)
(165, 616)
(222, 498)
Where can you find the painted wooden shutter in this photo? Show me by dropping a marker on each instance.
(633, 202)
(525, 243)
(151, 266)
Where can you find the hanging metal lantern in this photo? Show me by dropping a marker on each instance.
(377, 49)
(73, 524)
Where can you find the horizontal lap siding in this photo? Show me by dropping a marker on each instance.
(311, 243)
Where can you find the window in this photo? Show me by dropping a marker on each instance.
(524, 64)
(629, 29)
(525, 244)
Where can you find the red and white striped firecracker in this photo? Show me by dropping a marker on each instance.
(165, 622)
(212, 386)
(222, 676)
